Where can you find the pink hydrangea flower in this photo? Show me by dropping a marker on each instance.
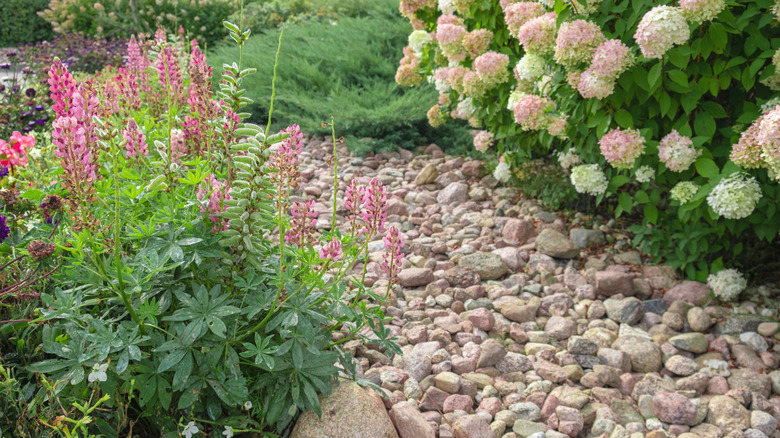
(393, 241)
(217, 193)
(477, 41)
(455, 77)
(450, 37)
(474, 86)
(768, 135)
(449, 19)
(332, 250)
(557, 126)
(409, 7)
(375, 207)
(677, 151)
(304, 217)
(483, 140)
(697, 11)
(492, 68)
(622, 147)
(136, 140)
(747, 151)
(538, 34)
(662, 28)
(611, 59)
(592, 86)
(517, 14)
(531, 112)
(576, 42)
(436, 117)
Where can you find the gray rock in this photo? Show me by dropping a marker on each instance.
(456, 192)
(625, 311)
(526, 428)
(693, 342)
(579, 345)
(489, 266)
(681, 365)
(583, 237)
(751, 381)
(646, 357)
(754, 341)
(738, 324)
(774, 376)
(728, 414)
(554, 244)
(526, 411)
(409, 422)
(610, 283)
(698, 319)
(764, 422)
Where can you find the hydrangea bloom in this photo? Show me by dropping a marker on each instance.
(684, 191)
(747, 151)
(407, 75)
(531, 112)
(409, 7)
(592, 86)
(450, 37)
(768, 134)
(436, 117)
(568, 159)
(517, 14)
(538, 34)
(418, 39)
(727, 284)
(735, 197)
(622, 147)
(492, 68)
(463, 6)
(455, 77)
(576, 42)
(590, 7)
(441, 80)
(661, 28)
(483, 140)
(515, 97)
(588, 178)
(697, 11)
(465, 109)
(645, 174)
(530, 67)
(610, 59)
(501, 172)
(446, 6)
(556, 126)
(477, 41)
(677, 151)
(474, 86)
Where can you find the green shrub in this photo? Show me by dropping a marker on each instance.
(346, 71)
(20, 23)
(263, 15)
(709, 85)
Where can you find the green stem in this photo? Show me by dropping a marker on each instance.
(273, 85)
(335, 173)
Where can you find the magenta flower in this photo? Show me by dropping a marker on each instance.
(393, 241)
(354, 202)
(375, 208)
(217, 192)
(136, 140)
(136, 62)
(178, 145)
(304, 217)
(332, 250)
(70, 141)
(61, 86)
(168, 71)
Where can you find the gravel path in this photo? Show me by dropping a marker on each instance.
(516, 323)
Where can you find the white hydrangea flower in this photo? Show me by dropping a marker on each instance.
(442, 86)
(530, 67)
(418, 40)
(588, 178)
(645, 174)
(228, 432)
(514, 97)
(466, 107)
(502, 172)
(727, 284)
(735, 197)
(684, 191)
(98, 373)
(446, 6)
(548, 3)
(771, 103)
(568, 159)
(190, 430)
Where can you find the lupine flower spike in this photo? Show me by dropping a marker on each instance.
(354, 203)
(393, 241)
(375, 205)
(302, 224)
(332, 250)
(136, 140)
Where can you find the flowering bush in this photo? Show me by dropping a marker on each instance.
(661, 103)
(79, 52)
(183, 288)
(727, 284)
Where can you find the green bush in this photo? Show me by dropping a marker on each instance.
(346, 71)
(709, 85)
(263, 15)
(20, 23)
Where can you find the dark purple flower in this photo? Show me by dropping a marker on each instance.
(40, 122)
(4, 230)
(6, 65)
(2, 88)
(3, 171)
(10, 54)
(30, 92)
(26, 114)
(16, 88)
(39, 108)
(32, 123)
(26, 130)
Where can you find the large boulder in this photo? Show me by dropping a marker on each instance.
(554, 244)
(350, 411)
(454, 193)
(410, 422)
(690, 291)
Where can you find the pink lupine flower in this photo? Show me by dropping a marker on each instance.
(576, 42)
(622, 147)
(70, 141)
(217, 192)
(354, 202)
(492, 68)
(178, 146)
(61, 86)
(200, 81)
(746, 152)
(662, 28)
(160, 37)
(483, 140)
(590, 85)
(332, 250)
(375, 207)
(168, 71)
(136, 140)
(531, 112)
(677, 151)
(393, 241)
(286, 157)
(538, 34)
(517, 14)
(477, 41)
(136, 62)
(129, 90)
(304, 217)
(611, 59)
(84, 106)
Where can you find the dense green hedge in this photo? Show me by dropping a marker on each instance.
(345, 70)
(20, 23)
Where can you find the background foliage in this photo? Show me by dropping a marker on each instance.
(20, 23)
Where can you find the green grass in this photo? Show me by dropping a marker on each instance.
(347, 71)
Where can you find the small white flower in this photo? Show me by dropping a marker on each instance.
(645, 174)
(247, 405)
(502, 172)
(727, 284)
(228, 432)
(98, 373)
(190, 430)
